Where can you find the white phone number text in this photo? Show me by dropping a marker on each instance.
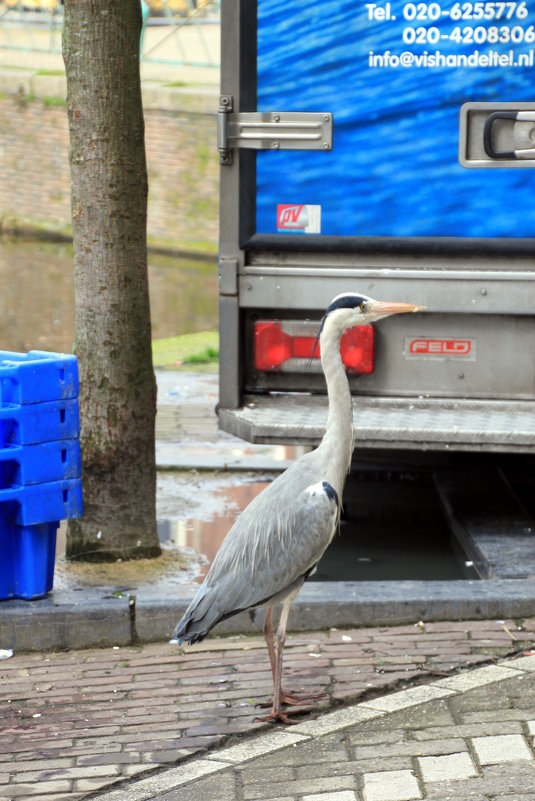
(503, 34)
(423, 12)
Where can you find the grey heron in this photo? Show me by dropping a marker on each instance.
(278, 540)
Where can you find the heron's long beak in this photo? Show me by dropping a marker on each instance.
(384, 308)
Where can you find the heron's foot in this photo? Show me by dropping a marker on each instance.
(283, 716)
(292, 699)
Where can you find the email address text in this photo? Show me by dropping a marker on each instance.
(438, 60)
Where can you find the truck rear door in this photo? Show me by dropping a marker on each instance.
(385, 148)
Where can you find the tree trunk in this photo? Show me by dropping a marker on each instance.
(112, 327)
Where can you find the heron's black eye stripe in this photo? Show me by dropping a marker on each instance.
(348, 301)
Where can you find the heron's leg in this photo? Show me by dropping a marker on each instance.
(269, 635)
(279, 697)
(286, 698)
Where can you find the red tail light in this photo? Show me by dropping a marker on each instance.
(288, 346)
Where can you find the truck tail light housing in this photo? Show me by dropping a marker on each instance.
(287, 346)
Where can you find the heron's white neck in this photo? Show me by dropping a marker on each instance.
(337, 443)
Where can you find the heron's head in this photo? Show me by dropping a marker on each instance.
(352, 309)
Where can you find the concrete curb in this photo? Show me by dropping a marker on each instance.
(95, 617)
(321, 605)
(230, 757)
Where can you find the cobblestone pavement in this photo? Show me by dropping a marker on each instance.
(75, 723)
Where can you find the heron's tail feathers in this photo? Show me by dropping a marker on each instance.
(200, 617)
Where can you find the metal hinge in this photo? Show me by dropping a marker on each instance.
(271, 130)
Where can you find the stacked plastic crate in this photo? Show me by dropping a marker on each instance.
(40, 466)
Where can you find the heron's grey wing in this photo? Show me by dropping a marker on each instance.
(275, 551)
(276, 541)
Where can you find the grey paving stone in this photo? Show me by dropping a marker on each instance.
(480, 699)
(355, 767)
(468, 730)
(396, 785)
(367, 736)
(519, 692)
(458, 797)
(261, 774)
(436, 714)
(494, 781)
(497, 715)
(497, 749)
(508, 797)
(221, 787)
(342, 795)
(310, 752)
(298, 787)
(411, 748)
(448, 767)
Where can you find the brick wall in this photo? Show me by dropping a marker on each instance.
(182, 160)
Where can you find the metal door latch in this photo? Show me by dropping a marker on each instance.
(497, 135)
(271, 130)
(523, 135)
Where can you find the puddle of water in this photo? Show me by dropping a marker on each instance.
(204, 536)
(37, 299)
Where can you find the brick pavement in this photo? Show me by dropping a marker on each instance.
(75, 723)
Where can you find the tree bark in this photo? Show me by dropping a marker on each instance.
(112, 325)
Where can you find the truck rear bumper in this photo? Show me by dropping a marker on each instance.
(394, 423)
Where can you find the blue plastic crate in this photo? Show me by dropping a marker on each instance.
(21, 465)
(41, 503)
(37, 376)
(40, 466)
(27, 563)
(29, 424)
